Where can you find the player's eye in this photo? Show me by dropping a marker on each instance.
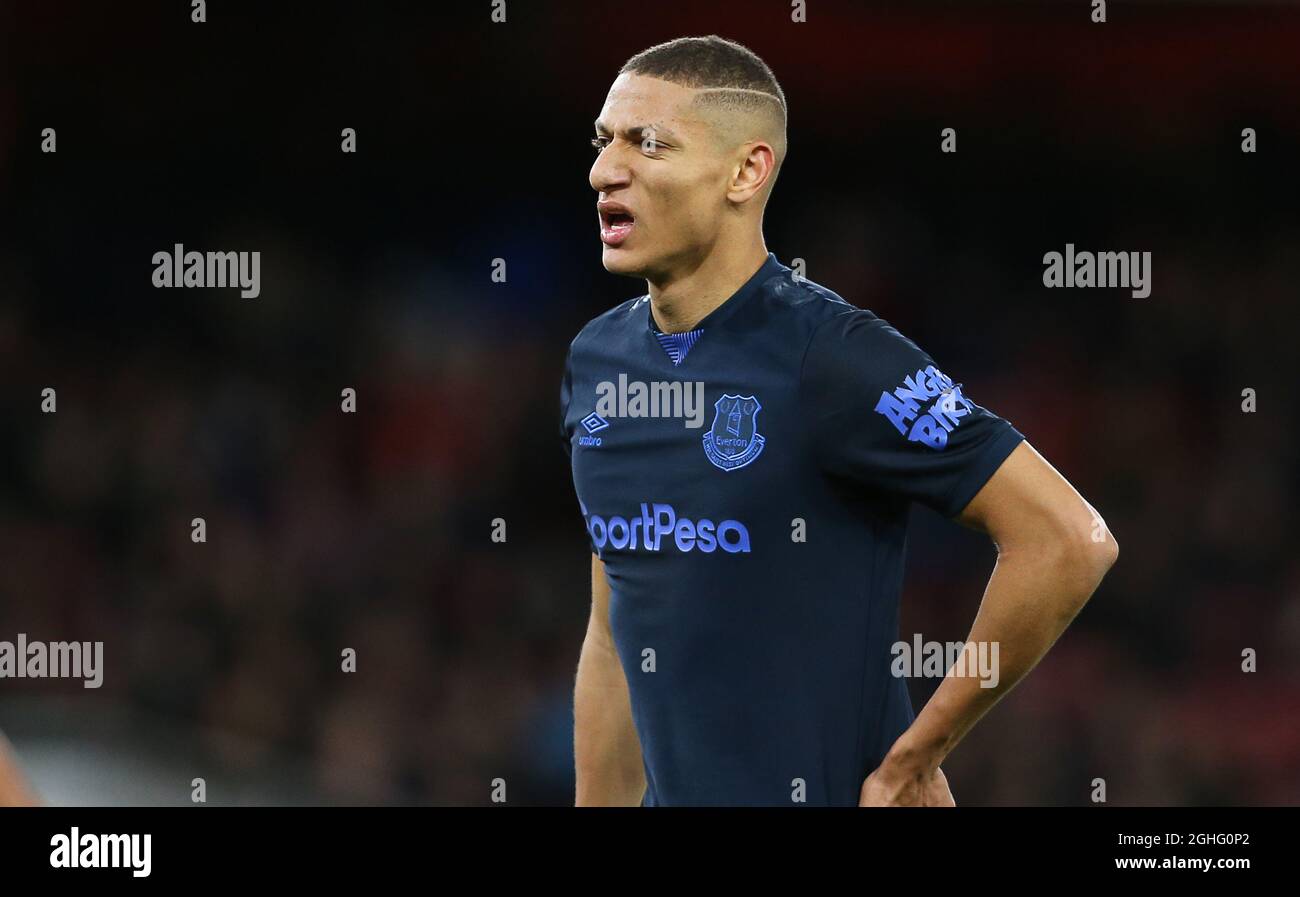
(599, 143)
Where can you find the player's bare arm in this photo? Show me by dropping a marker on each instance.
(1053, 550)
(607, 753)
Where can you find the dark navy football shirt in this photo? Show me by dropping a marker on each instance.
(754, 551)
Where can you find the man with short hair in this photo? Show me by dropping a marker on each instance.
(747, 569)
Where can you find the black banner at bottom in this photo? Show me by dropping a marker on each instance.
(337, 846)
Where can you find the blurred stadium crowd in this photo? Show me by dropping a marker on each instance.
(372, 530)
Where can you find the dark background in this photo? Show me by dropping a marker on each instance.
(372, 530)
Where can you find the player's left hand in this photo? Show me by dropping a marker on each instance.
(890, 786)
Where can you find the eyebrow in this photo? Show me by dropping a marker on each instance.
(637, 132)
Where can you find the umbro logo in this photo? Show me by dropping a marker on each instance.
(594, 422)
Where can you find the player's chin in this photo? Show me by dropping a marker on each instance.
(619, 260)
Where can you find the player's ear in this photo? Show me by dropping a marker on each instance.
(756, 163)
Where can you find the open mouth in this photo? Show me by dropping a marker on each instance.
(615, 225)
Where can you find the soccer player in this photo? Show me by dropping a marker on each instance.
(747, 560)
(14, 790)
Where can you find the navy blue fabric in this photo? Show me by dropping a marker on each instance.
(759, 664)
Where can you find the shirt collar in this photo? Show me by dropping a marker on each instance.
(770, 267)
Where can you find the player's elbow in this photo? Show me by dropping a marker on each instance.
(1108, 549)
(1101, 550)
(1082, 554)
(1070, 546)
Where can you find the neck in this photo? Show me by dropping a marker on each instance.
(682, 299)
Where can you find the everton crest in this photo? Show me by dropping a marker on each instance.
(734, 441)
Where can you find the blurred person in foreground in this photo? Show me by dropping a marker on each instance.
(745, 446)
(14, 790)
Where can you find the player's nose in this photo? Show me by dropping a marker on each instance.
(608, 172)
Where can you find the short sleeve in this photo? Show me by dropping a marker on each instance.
(882, 414)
